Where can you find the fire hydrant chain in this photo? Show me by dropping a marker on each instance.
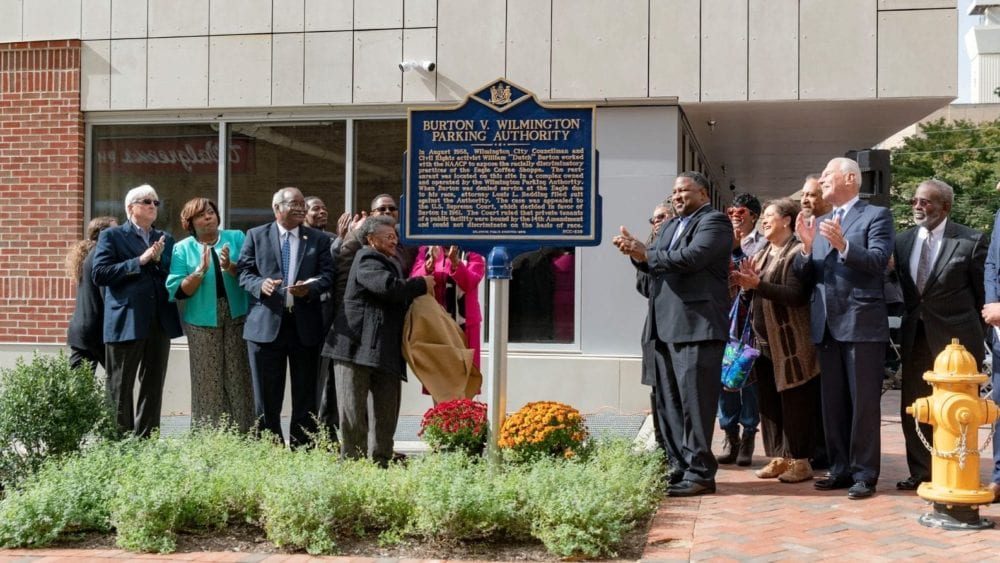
(960, 451)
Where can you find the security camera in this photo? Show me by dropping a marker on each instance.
(427, 66)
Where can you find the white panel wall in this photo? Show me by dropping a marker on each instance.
(240, 71)
(773, 65)
(242, 16)
(599, 49)
(10, 21)
(919, 4)
(378, 14)
(420, 13)
(419, 45)
(287, 67)
(95, 19)
(173, 18)
(675, 49)
(328, 67)
(95, 75)
(470, 45)
(529, 47)
(128, 19)
(289, 15)
(638, 167)
(178, 72)
(51, 19)
(934, 54)
(837, 49)
(128, 74)
(723, 50)
(329, 15)
(377, 77)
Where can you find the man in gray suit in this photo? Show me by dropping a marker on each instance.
(688, 264)
(844, 257)
(940, 266)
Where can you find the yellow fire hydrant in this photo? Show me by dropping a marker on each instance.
(956, 411)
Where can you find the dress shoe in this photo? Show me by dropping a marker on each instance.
(775, 467)
(910, 483)
(995, 489)
(798, 470)
(860, 490)
(674, 476)
(689, 489)
(830, 483)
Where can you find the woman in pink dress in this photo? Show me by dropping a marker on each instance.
(456, 287)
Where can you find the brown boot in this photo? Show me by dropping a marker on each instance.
(775, 467)
(730, 447)
(745, 455)
(798, 470)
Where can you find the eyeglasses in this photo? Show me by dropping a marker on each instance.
(921, 202)
(386, 209)
(737, 211)
(657, 218)
(147, 201)
(292, 204)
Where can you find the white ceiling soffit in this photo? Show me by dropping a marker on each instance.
(767, 148)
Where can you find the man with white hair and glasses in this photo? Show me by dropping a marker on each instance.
(131, 262)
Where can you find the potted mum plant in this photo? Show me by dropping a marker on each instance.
(458, 425)
(543, 428)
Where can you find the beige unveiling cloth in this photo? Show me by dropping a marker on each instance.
(434, 346)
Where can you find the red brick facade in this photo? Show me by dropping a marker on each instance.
(41, 186)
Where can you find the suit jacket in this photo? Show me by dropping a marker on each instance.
(86, 328)
(848, 294)
(133, 293)
(688, 284)
(991, 281)
(260, 258)
(368, 329)
(953, 294)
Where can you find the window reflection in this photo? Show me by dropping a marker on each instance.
(308, 156)
(379, 146)
(542, 296)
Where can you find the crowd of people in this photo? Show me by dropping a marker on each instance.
(286, 301)
(815, 278)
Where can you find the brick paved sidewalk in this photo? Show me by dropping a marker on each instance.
(752, 519)
(749, 519)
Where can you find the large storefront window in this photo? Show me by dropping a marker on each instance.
(180, 161)
(308, 156)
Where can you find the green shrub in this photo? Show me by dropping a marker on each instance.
(66, 495)
(46, 409)
(586, 508)
(461, 498)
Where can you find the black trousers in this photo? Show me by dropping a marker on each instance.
(688, 390)
(790, 420)
(147, 360)
(916, 361)
(268, 364)
(326, 392)
(851, 383)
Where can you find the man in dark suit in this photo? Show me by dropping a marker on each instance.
(940, 266)
(132, 262)
(689, 303)
(285, 266)
(991, 314)
(326, 395)
(844, 258)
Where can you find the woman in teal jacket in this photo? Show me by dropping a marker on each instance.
(203, 277)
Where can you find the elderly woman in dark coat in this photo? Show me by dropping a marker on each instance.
(366, 343)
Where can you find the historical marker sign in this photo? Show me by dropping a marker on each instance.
(501, 169)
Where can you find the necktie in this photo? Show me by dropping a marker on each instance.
(677, 233)
(286, 257)
(924, 264)
(839, 215)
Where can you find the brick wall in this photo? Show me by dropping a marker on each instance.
(41, 186)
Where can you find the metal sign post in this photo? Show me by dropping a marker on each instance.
(499, 272)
